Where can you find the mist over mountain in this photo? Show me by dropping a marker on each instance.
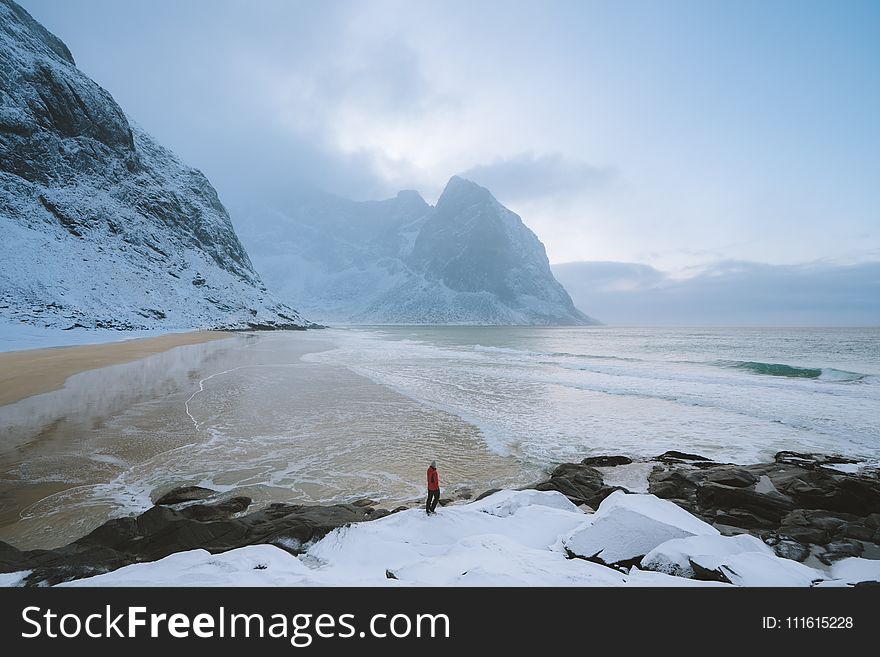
(467, 260)
(101, 225)
(732, 293)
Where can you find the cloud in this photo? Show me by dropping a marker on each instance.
(527, 176)
(731, 292)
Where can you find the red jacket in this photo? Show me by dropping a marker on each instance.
(433, 479)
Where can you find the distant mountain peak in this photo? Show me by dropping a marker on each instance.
(460, 193)
(467, 260)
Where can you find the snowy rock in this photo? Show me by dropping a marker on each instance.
(627, 527)
(507, 502)
(257, 565)
(677, 557)
(467, 260)
(854, 570)
(506, 539)
(103, 227)
(759, 569)
(511, 538)
(185, 494)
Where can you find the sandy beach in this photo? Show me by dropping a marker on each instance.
(250, 414)
(36, 371)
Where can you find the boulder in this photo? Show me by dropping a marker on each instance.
(791, 550)
(626, 527)
(838, 550)
(757, 569)
(854, 570)
(486, 493)
(606, 461)
(677, 457)
(731, 476)
(161, 531)
(677, 556)
(582, 484)
(771, 505)
(742, 519)
(217, 511)
(185, 494)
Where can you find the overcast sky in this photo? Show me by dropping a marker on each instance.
(668, 133)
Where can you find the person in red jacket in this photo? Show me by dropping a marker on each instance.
(433, 488)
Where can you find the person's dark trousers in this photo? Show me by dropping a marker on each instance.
(431, 502)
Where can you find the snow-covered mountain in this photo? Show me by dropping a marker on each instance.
(102, 226)
(467, 260)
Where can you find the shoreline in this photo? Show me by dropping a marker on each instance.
(31, 372)
(795, 521)
(73, 458)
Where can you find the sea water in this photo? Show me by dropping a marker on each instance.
(545, 395)
(336, 415)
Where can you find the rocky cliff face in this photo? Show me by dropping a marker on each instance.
(467, 260)
(101, 225)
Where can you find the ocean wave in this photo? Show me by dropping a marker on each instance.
(793, 371)
(551, 354)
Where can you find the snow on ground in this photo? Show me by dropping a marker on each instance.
(742, 560)
(856, 569)
(511, 538)
(14, 579)
(627, 527)
(675, 557)
(15, 336)
(761, 569)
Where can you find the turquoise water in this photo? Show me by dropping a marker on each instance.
(543, 395)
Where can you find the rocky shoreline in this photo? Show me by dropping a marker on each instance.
(807, 507)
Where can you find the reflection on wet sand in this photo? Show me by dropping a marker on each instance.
(244, 413)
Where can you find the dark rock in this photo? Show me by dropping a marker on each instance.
(398, 509)
(858, 531)
(389, 574)
(840, 550)
(675, 457)
(161, 531)
(366, 501)
(486, 493)
(606, 461)
(675, 483)
(10, 557)
(464, 494)
(812, 526)
(824, 489)
(218, 511)
(580, 483)
(791, 550)
(185, 494)
(742, 519)
(805, 535)
(731, 476)
(445, 501)
(708, 575)
(771, 506)
(810, 459)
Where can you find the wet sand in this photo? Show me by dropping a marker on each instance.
(250, 415)
(24, 374)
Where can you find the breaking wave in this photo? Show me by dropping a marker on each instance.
(792, 371)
